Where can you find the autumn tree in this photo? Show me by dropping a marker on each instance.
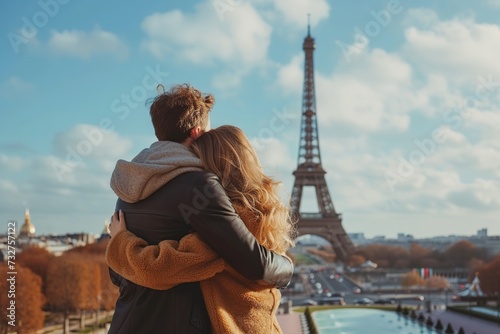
(385, 256)
(95, 252)
(28, 299)
(411, 279)
(382, 263)
(92, 285)
(430, 262)
(461, 253)
(401, 264)
(417, 254)
(323, 254)
(98, 248)
(356, 260)
(73, 283)
(109, 291)
(64, 283)
(37, 260)
(436, 282)
(489, 275)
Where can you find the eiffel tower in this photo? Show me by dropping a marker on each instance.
(326, 223)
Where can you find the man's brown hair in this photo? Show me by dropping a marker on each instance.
(177, 111)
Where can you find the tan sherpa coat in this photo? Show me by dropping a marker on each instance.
(235, 304)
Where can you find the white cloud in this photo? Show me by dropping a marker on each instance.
(460, 49)
(88, 144)
(355, 180)
(276, 160)
(201, 37)
(482, 158)
(487, 121)
(272, 152)
(494, 3)
(373, 93)
(66, 189)
(80, 203)
(435, 96)
(452, 137)
(379, 90)
(82, 44)
(449, 173)
(10, 163)
(240, 41)
(374, 99)
(291, 75)
(226, 80)
(480, 194)
(295, 11)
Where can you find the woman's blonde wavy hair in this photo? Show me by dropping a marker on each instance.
(227, 152)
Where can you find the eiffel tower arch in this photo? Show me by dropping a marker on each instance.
(326, 223)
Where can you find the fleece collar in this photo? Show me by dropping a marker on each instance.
(151, 169)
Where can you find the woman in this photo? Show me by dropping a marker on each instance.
(234, 303)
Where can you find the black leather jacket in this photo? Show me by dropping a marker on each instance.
(192, 201)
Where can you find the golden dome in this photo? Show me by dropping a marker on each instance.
(28, 229)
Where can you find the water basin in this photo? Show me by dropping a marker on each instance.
(366, 320)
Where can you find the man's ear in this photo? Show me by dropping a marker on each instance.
(195, 132)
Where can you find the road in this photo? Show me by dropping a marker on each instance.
(320, 282)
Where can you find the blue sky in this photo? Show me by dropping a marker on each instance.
(407, 98)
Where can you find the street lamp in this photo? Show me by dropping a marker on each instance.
(446, 292)
(498, 298)
(498, 307)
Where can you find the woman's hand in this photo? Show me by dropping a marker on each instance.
(117, 223)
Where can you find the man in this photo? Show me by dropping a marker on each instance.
(164, 197)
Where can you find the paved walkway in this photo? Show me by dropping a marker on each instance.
(291, 323)
(469, 324)
(294, 323)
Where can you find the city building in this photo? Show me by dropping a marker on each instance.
(28, 229)
(440, 243)
(56, 244)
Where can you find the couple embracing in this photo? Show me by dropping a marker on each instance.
(199, 235)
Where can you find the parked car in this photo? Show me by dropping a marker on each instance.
(309, 302)
(331, 301)
(385, 301)
(363, 301)
(338, 294)
(412, 297)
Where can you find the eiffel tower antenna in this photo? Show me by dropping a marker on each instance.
(327, 222)
(308, 24)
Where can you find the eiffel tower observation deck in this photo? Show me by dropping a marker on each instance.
(326, 223)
